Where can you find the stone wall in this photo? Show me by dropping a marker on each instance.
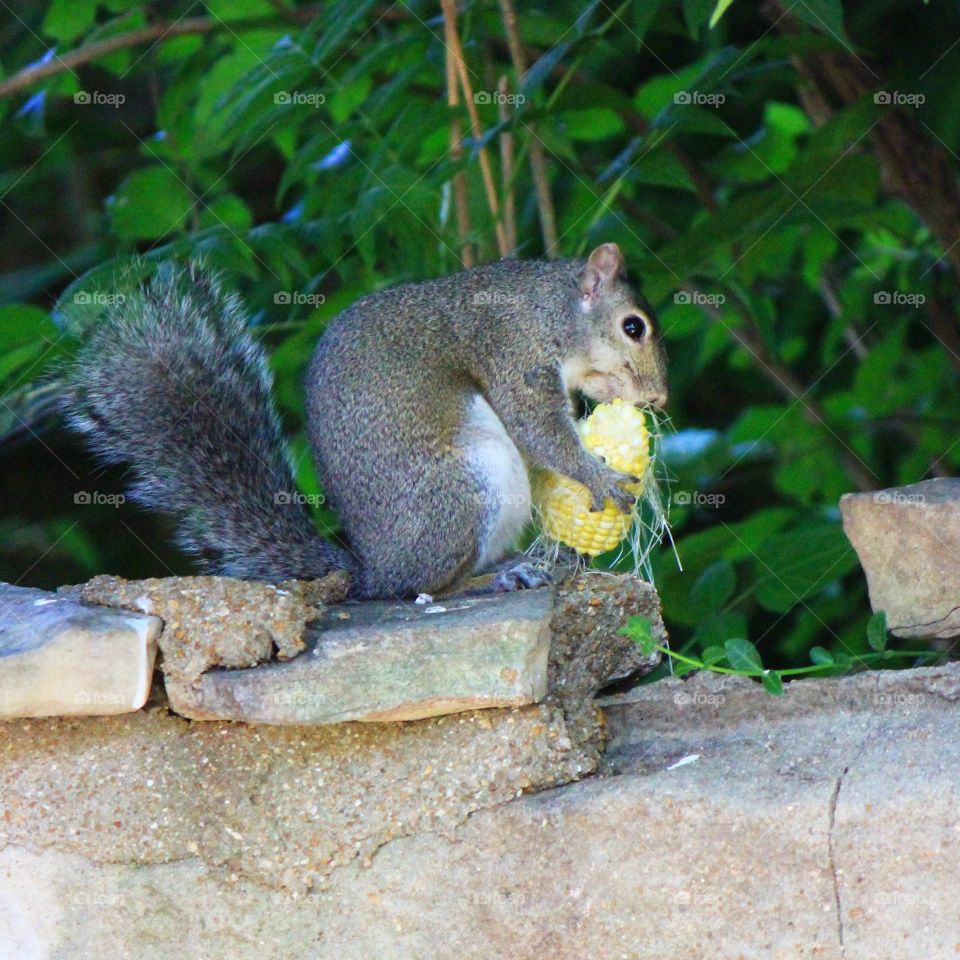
(720, 823)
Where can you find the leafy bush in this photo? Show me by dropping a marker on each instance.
(782, 184)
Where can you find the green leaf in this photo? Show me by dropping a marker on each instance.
(68, 19)
(718, 11)
(595, 123)
(743, 655)
(711, 656)
(714, 587)
(643, 13)
(823, 15)
(877, 631)
(640, 631)
(696, 13)
(348, 98)
(229, 211)
(22, 324)
(149, 204)
(796, 564)
(772, 682)
(227, 10)
(713, 631)
(821, 656)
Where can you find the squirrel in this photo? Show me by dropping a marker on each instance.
(427, 404)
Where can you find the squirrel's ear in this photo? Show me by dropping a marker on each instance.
(604, 265)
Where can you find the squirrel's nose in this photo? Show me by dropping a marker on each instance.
(658, 400)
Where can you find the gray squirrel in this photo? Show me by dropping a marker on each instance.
(426, 403)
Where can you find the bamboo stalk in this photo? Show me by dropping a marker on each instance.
(455, 52)
(506, 168)
(460, 197)
(538, 157)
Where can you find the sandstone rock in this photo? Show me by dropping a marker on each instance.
(820, 824)
(58, 658)
(390, 661)
(380, 661)
(908, 541)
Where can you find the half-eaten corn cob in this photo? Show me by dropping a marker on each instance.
(617, 432)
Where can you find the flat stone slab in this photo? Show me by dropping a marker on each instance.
(377, 661)
(59, 658)
(722, 824)
(908, 541)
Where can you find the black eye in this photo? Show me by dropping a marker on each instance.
(635, 327)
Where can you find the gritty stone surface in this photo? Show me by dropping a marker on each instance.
(286, 805)
(220, 621)
(281, 805)
(58, 658)
(587, 649)
(722, 824)
(379, 660)
(908, 541)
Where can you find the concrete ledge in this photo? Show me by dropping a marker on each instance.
(721, 823)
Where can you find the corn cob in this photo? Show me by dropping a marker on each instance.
(617, 432)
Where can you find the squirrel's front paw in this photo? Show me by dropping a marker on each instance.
(609, 485)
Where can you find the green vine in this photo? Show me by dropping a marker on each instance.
(740, 658)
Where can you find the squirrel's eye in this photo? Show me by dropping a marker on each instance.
(635, 327)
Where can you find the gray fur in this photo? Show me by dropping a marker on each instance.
(172, 383)
(392, 377)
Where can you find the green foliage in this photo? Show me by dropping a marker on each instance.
(303, 150)
(740, 658)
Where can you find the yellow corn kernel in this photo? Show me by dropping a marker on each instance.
(617, 432)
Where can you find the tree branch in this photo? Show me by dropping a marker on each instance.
(913, 165)
(155, 32)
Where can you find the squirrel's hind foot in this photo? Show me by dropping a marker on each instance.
(520, 576)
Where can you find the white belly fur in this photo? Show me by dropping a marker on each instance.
(494, 460)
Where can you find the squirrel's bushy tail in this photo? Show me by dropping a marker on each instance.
(171, 382)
